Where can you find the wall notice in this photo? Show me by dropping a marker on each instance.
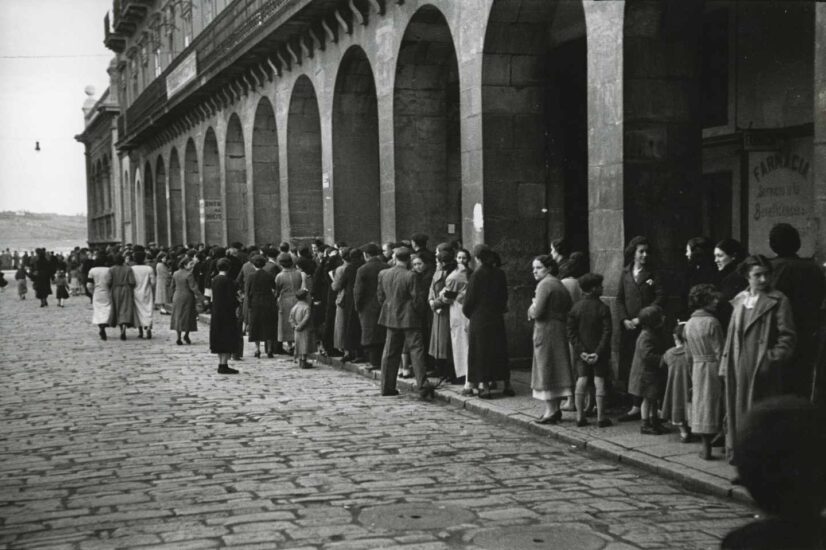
(211, 210)
(781, 190)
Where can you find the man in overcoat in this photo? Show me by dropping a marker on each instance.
(367, 303)
(401, 306)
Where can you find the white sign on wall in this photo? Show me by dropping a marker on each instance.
(781, 191)
(182, 75)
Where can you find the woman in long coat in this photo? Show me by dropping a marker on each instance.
(727, 256)
(42, 274)
(551, 373)
(759, 345)
(161, 283)
(337, 286)
(263, 309)
(98, 285)
(223, 326)
(454, 294)
(352, 326)
(122, 285)
(287, 284)
(440, 331)
(144, 301)
(486, 301)
(184, 294)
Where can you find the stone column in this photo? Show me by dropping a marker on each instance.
(606, 235)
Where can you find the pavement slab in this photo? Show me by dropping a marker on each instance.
(141, 444)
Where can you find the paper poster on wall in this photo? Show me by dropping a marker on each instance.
(211, 210)
(781, 190)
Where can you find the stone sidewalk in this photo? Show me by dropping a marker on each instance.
(664, 454)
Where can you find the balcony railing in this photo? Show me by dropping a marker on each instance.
(238, 24)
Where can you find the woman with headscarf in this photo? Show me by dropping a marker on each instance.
(97, 283)
(122, 284)
(287, 283)
(184, 295)
(262, 307)
(486, 301)
(759, 345)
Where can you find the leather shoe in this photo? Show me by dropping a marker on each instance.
(604, 423)
(553, 419)
(226, 369)
(391, 393)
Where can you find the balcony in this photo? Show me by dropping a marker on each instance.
(238, 38)
(127, 14)
(112, 40)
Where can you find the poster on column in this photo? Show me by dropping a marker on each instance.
(210, 210)
(781, 191)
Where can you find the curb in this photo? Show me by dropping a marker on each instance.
(690, 479)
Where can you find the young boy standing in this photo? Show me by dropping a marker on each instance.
(589, 331)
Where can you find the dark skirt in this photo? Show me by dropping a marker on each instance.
(263, 318)
(487, 348)
(62, 292)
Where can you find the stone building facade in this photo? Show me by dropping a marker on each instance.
(508, 122)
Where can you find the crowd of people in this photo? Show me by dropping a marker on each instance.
(746, 327)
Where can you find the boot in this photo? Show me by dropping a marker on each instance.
(225, 369)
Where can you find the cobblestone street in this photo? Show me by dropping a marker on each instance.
(142, 444)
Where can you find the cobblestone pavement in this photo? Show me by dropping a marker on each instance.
(141, 444)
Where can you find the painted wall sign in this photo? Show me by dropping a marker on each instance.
(181, 75)
(325, 180)
(781, 190)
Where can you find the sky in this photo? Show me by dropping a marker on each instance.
(50, 50)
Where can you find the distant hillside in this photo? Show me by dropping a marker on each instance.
(29, 230)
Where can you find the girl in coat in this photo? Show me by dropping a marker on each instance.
(648, 355)
(551, 372)
(760, 342)
(677, 401)
(303, 328)
(704, 342)
(440, 330)
(61, 287)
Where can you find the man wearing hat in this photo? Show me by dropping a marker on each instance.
(401, 304)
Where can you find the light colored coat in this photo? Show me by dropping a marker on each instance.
(551, 357)
(772, 329)
(704, 344)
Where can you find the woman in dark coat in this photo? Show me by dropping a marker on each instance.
(699, 253)
(639, 287)
(41, 277)
(352, 325)
(727, 256)
(486, 301)
(263, 309)
(223, 327)
(122, 287)
(184, 294)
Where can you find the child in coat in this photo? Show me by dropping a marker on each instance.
(589, 331)
(22, 283)
(62, 285)
(677, 401)
(300, 315)
(648, 355)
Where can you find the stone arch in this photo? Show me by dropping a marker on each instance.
(192, 193)
(427, 130)
(265, 175)
(161, 210)
(212, 205)
(148, 204)
(305, 198)
(356, 182)
(236, 183)
(535, 139)
(176, 207)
